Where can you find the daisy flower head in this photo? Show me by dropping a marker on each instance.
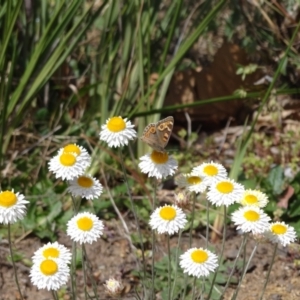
(49, 274)
(251, 219)
(254, 197)
(192, 182)
(117, 132)
(281, 233)
(182, 200)
(158, 164)
(67, 165)
(211, 172)
(81, 152)
(85, 228)
(85, 186)
(224, 192)
(12, 207)
(168, 219)
(114, 287)
(198, 262)
(52, 250)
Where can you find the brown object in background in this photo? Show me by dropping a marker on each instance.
(217, 80)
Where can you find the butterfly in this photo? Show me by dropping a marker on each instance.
(157, 135)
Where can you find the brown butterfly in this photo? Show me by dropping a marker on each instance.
(157, 135)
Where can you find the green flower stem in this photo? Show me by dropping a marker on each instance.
(176, 263)
(169, 268)
(194, 287)
(73, 271)
(88, 266)
(13, 262)
(244, 241)
(134, 212)
(244, 273)
(152, 266)
(269, 272)
(54, 295)
(207, 223)
(190, 240)
(84, 271)
(221, 254)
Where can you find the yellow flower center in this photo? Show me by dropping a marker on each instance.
(194, 180)
(251, 199)
(8, 199)
(224, 187)
(159, 157)
(67, 159)
(72, 148)
(51, 252)
(85, 223)
(210, 170)
(116, 124)
(251, 216)
(85, 182)
(167, 213)
(199, 256)
(48, 267)
(279, 229)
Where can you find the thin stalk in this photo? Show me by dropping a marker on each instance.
(170, 108)
(169, 268)
(192, 219)
(176, 263)
(194, 288)
(88, 265)
(73, 271)
(84, 271)
(134, 213)
(221, 254)
(207, 224)
(202, 288)
(54, 295)
(153, 246)
(269, 272)
(152, 266)
(244, 273)
(190, 239)
(13, 262)
(244, 241)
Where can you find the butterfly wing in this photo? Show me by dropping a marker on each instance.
(157, 135)
(164, 130)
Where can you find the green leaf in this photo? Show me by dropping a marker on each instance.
(276, 179)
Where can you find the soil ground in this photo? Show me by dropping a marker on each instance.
(111, 257)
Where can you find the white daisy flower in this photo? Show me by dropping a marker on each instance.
(192, 182)
(254, 197)
(85, 186)
(158, 164)
(114, 287)
(168, 219)
(224, 192)
(12, 207)
(85, 228)
(53, 250)
(117, 132)
(211, 172)
(67, 165)
(281, 233)
(198, 262)
(251, 219)
(81, 152)
(49, 274)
